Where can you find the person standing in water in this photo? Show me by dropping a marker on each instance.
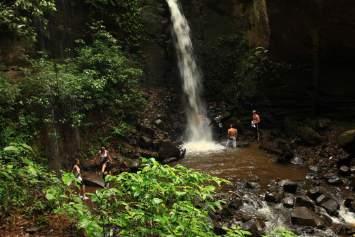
(255, 123)
(218, 121)
(77, 173)
(232, 137)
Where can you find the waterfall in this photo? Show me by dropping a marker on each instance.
(198, 131)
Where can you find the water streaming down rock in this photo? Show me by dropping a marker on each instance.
(198, 131)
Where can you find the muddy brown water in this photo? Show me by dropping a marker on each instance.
(243, 164)
(248, 163)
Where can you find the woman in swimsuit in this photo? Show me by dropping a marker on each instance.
(105, 159)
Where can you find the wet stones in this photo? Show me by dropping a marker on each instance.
(304, 201)
(288, 201)
(314, 193)
(350, 203)
(168, 150)
(344, 170)
(289, 186)
(235, 204)
(334, 180)
(274, 197)
(252, 185)
(305, 217)
(331, 206)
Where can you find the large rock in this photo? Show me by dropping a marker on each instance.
(314, 193)
(305, 217)
(347, 141)
(274, 197)
(331, 206)
(168, 150)
(288, 201)
(289, 186)
(304, 201)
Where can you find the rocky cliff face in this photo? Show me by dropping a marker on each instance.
(316, 36)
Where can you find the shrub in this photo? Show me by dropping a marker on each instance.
(159, 200)
(22, 181)
(21, 17)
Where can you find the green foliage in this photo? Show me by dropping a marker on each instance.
(115, 75)
(280, 232)
(22, 181)
(159, 200)
(100, 80)
(119, 16)
(121, 130)
(236, 231)
(22, 17)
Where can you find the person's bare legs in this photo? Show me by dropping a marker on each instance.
(103, 168)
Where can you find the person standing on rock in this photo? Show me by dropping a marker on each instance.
(255, 124)
(105, 160)
(77, 174)
(232, 137)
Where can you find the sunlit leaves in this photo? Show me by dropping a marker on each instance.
(21, 16)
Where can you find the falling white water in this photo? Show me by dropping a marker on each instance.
(198, 131)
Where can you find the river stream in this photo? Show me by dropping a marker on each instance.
(248, 163)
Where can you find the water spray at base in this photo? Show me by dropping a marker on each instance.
(198, 131)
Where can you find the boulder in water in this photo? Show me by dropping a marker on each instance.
(273, 197)
(169, 150)
(321, 198)
(350, 203)
(314, 193)
(304, 201)
(289, 186)
(331, 206)
(252, 185)
(235, 204)
(288, 201)
(305, 217)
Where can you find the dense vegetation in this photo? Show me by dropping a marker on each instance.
(99, 79)
(21, 179)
